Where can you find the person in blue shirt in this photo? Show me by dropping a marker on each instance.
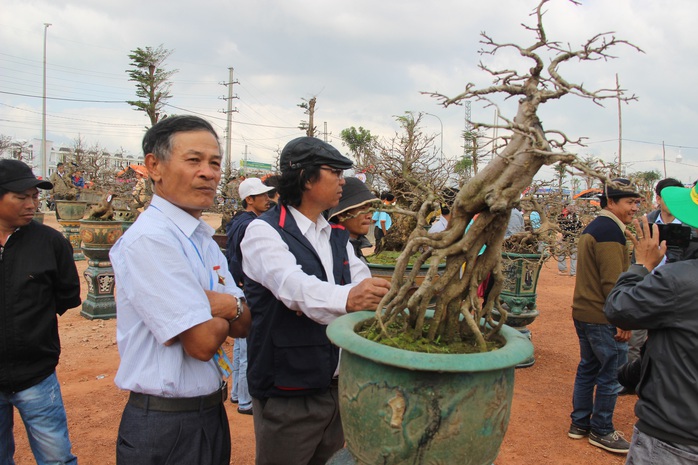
(382, 221)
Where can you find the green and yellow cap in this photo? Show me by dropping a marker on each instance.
(682, 203)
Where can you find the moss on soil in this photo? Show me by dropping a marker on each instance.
(405, 340)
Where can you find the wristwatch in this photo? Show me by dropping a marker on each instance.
(241, 308)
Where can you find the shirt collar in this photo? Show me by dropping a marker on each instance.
(304, 224)
(183, 220)
(609, 214)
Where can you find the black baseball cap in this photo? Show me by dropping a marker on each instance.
(311, 151)
(17, 176)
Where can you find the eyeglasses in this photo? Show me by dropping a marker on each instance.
(338, 172)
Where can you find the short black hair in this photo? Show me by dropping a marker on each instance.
(158, 139)
(292, 184)
(666, 182)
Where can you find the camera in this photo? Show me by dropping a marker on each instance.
(675, 234)
(681, 241)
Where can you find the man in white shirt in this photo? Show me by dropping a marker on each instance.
(300, 274)
(176, 303)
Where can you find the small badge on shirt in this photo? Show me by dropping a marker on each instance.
(221, 279)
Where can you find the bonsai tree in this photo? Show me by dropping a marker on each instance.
(487, 198)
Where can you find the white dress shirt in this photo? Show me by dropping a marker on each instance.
(267, 260)
(162, 265)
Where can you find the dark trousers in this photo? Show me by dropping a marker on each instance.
(148, 437)
(304, 430)
(378, 236)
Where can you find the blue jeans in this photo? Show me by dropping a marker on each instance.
(601, 356)
(648, 450)
(240, 391)
(43, 414)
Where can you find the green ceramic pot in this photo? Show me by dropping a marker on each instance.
(70, 210)
(403, 407)
(98, 237)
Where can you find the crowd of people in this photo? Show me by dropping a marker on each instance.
(294, 263)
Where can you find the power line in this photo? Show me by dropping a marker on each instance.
(63, 99)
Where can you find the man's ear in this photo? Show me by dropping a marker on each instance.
(153, 165)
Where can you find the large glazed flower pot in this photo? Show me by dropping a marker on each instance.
(518, 296)
(70, 210)
(98, 237)
(400, 407)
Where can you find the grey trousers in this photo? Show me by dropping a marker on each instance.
(303, 430)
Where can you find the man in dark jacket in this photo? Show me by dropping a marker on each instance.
(255, 201)
(301, 273)
(662, 300)
(38, 280)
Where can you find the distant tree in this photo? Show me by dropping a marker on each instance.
(473, 148)
(560, 175)
(464, 167)
(5, 143)
(644, 180)
(152, 80)
(362, 146)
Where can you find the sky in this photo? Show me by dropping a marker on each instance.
(366, 62)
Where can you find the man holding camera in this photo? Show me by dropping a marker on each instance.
(663, 301)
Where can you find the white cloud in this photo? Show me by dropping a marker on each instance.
(366, 62)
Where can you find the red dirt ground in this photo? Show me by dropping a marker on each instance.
(536, 434)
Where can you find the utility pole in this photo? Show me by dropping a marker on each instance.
(229, 117)
(244, 172)
(44, 158)
(325, 133)
(620, 130)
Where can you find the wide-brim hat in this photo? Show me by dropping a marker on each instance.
(17, 176)
(682, 202)
(303, 152)
(626, 189)
(354, 194)
(252, 186)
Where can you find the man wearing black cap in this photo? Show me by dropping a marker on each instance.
(39, 280)
(602, 257)
(663, 301)
(300, 274)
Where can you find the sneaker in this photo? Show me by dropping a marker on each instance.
(576, 432)
(612, 442)
(234, 401)
(243, 411)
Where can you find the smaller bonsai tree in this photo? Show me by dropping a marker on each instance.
(482, 208)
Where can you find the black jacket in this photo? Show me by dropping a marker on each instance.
(664, 303)
(235, 230)
(38, 280)
(290, 355)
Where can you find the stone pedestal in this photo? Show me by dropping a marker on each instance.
(99, 303)
(97, 239)
(71, 231)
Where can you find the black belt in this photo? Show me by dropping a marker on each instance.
(178, 404)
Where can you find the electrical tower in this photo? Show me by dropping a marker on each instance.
(227, 162)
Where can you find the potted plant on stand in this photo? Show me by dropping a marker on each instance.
(399, 406)
(99, 232)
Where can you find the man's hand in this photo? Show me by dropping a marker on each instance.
(648, 251)
(622, 335)
(367, 295)
(222, 305)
